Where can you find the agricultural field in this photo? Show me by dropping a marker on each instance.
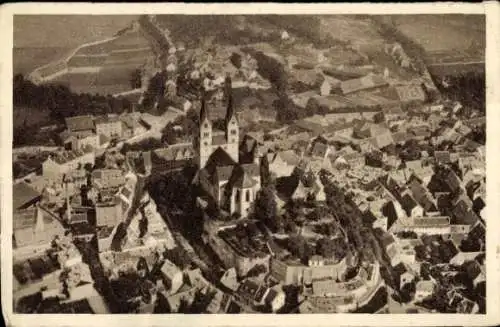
(87, 61)
(119, 75)
(355, 30)
(129, 57)
(96, 49)
(105, 82)
(130, 40)
(25, 60)
(71, 30)
(77, 82)
(112, 64)
(35, 46)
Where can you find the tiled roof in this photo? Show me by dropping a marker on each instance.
(248, 289)
(251, 169)
(387, 239)
(463, 215)
(319, 149)
(67, 156)
(425, 286)
(79, 123)
(106, 120)
(169, 269)
(24, 219)
(220, 158)
(421, 195)
(173, 152)
(431, 221)
(244, 181)
(130, 122)
(22, 194)
(290, 157)
(107, 214)
(224, 172)
(248, 144)
(108, 178)
(365, 82)
(306, 76)
(442, 156)
(382, 140)
(400, 137)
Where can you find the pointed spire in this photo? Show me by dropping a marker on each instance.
(229, 97)
(204, 109)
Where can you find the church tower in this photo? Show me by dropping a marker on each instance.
(231, 123)
(205, 137)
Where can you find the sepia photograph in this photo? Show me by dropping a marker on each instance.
(177, 163)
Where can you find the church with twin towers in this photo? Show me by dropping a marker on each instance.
(210, 138)
(231, 184)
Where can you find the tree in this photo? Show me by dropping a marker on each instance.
(88, 167)
(178, 256)
(264, 172)
(312, 107)
(299, 247)
(286, 111)
(162, 305)
(325, 247)
(168, 135)
(265, 207)
(143, 227)
(236, 60)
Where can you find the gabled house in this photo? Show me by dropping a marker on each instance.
(171, 276)
(424, 289)
(80, 123)
(404, 274)
(282, 163)
(410, 206)
(104, 179)
(422, 196)
(35, 227)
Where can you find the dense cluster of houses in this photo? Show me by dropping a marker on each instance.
(418, 179)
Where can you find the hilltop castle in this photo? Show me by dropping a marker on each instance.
(232, 185)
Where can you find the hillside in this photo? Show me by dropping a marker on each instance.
(103, 66)
(32, 31)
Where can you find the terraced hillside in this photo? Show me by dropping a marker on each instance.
(103, 66)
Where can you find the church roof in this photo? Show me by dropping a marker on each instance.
(229, 94)
(224, 172)
(244, 180)
(220, 158)
(248, 144)
(252, 169)
(204, 109)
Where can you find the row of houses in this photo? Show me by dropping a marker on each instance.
(96, 132)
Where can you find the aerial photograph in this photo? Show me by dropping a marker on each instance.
(212, 164)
